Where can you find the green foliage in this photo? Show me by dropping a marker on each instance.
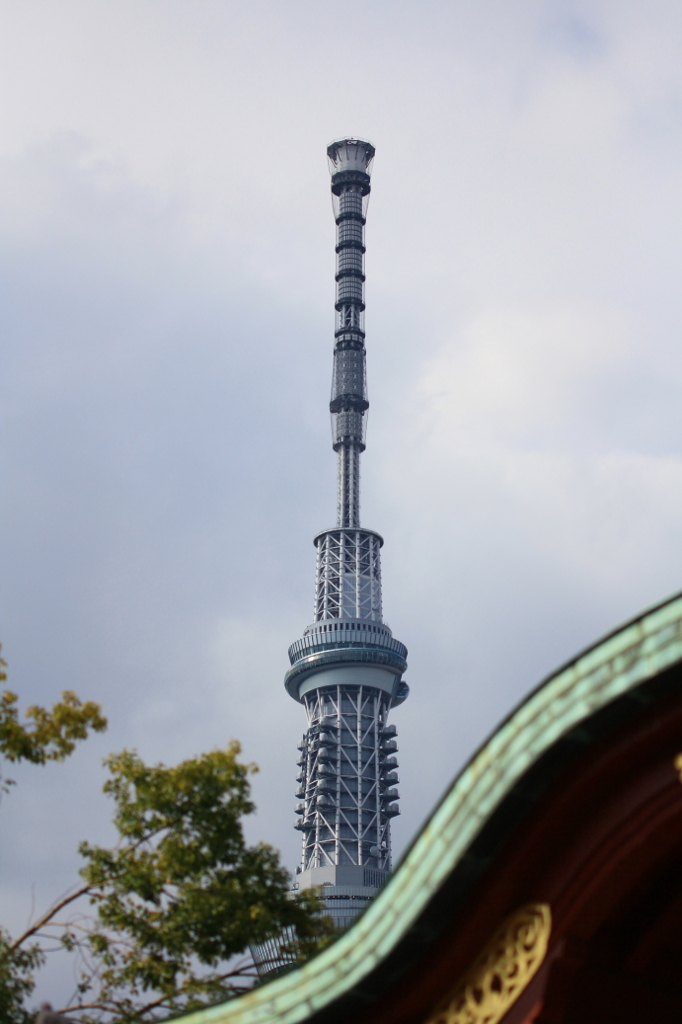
(182, 888)
(47, 735)
(180, 896)
(16, 978)
(53, 734)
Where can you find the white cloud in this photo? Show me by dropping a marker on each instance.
(514, 373)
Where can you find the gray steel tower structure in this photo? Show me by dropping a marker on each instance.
(347, 669)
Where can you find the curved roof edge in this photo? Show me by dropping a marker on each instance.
(565, 712)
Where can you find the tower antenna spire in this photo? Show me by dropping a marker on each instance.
(350, 163)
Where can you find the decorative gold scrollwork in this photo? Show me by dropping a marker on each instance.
(502, 970)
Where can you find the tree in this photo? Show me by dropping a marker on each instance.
(17, 967)
(47, 735)
(177, 899)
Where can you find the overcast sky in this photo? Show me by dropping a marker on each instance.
(168, 280)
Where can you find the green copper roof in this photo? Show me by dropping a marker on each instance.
(614, 668)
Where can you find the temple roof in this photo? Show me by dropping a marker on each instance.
(468, 843)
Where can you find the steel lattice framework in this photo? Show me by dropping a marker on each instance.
(348, 581)
(347, 668)
(347, 773)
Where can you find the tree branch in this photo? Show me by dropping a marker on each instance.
(47, 917)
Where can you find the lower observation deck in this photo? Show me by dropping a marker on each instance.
(345, 633)
(355, 651)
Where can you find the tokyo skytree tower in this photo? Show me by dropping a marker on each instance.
(347, 669)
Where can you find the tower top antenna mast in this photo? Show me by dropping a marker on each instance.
(350, 162)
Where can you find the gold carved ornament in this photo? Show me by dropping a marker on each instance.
(501, 971)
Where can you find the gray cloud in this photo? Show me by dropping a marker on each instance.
(168, 276)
